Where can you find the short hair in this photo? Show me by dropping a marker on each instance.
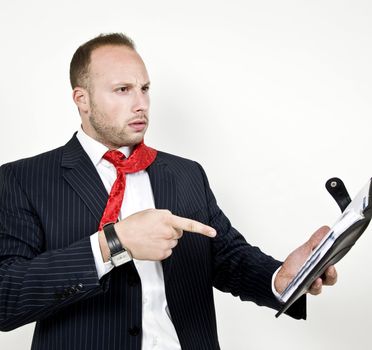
(80, 62)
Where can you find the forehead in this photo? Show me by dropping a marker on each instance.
(117, 63)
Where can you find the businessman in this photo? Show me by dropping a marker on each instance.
(110, 244)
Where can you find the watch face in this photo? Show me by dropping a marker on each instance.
(121, 258)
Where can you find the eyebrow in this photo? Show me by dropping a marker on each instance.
(130, 84)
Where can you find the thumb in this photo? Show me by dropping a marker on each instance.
(317, 236)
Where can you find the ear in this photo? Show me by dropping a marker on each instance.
(81, 99)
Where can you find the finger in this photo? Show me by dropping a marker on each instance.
(330, 276)
(173, 243)
(189, 225)
(174, 233)
(179, 233)
(167, 254)
(317, 236)
(316, 287)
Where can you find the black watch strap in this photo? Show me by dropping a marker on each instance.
(119, 255)
(112, 239)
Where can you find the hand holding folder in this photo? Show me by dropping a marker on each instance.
(296, 260)
(301, 271)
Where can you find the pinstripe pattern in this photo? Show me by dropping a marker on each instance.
(52, 203)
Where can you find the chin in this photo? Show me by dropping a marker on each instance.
(128, 141)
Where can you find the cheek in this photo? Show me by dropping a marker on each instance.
(113, 109)
(119, 113)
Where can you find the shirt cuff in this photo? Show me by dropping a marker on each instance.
(277, 295)
(102, 267)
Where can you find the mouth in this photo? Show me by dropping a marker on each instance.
(138, 124)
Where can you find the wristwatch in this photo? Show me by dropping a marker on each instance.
(118, 254)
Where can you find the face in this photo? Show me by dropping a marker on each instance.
(116, 106)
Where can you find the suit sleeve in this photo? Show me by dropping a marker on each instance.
(239, 268)
(35, 282)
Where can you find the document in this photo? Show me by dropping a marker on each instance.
(342, 236)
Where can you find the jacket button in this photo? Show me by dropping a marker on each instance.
(134, 331)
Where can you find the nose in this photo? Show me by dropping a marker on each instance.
(141, 102)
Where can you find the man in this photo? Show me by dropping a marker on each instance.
(84, 252)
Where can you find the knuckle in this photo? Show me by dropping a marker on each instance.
(169, 233)
(165, 215)
(148, 211)
(334, 274)
(192, 226)
(331, 276)
(331, 281)
(166, 212)
(316, 290)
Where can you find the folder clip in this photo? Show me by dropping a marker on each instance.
(338, 191)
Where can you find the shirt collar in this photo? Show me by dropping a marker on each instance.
(95, 149)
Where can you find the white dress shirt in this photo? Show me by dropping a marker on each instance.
(158, 331)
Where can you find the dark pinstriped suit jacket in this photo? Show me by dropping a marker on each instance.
(52, 203)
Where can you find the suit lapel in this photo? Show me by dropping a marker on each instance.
(83, 177)
(163, 183)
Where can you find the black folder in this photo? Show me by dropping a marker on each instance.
(356, 215)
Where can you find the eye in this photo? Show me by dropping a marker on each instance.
(122, 89)
(146, 88)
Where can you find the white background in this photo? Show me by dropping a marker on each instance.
(271, 97)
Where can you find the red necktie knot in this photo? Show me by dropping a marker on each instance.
(115, 157)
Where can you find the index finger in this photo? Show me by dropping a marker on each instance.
(190, 225)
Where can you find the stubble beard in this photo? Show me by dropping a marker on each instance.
(111, 136)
